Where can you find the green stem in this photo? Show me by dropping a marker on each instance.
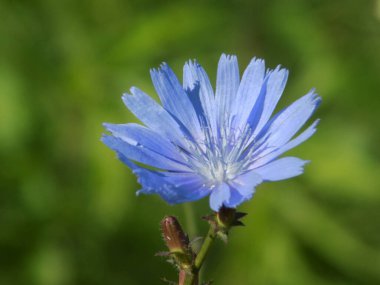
(191, 276)
(204, 249)
(190, 219)
(188, 278)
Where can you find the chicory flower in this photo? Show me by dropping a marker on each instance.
(199, 142)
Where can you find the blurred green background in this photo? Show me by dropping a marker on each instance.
(68, 210)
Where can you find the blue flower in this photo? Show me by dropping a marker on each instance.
(223, 143)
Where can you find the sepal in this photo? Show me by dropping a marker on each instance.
(223, 220)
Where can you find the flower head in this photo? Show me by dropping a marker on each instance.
(223, 143)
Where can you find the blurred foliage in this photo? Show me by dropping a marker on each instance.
(68, 211)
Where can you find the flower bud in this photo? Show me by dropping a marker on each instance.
(177, 242)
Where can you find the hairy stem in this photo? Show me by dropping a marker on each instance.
(191, 277)
(188, 278)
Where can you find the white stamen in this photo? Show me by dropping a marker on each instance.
(222, 156)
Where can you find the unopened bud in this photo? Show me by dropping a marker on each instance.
(177, 241)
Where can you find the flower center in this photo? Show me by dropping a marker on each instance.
(219, 157)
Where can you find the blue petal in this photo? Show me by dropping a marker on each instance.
(174, 188)
(289, 121)
(188, 189)
(235, 198)
(219, 195)
(248, 92)
(193, 113)
(174, 98)
(143, 155)
(282, 168)
(194, 96)
(193, 74)
(235, 192)
(138, 135)
(242, 188)
(153, 115)
(246, 181)
(275, 85)
(227, 84)
(282, 127)
(276, 152)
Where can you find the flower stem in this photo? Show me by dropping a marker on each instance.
(188, 278)
(204, 249)
(181, 252)
(191, 276)
(190, 219)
